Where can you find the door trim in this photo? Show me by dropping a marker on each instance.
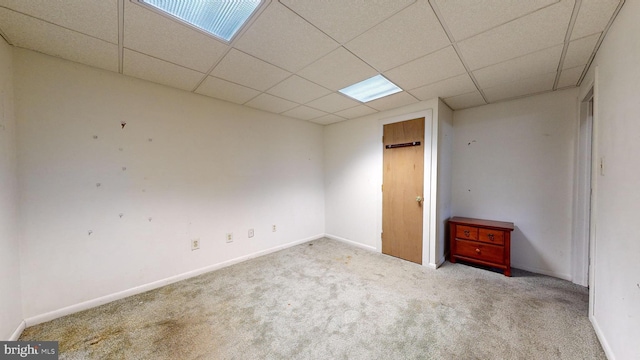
(595, 156)
(582, 192)
(430, 181)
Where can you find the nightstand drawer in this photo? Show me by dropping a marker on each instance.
(466, 232)
(480, 251)
(491, 236)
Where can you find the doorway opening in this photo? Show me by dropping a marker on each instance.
(584, 193)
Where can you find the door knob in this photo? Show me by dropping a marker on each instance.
(419, 199)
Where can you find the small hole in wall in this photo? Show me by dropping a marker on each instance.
(150, 139)
(90, 232)
(124, 168)
(121, 215)
(95, 137)
(150, 219)
(123, 124)
(98, 184)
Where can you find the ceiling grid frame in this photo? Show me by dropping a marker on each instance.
(599, 42)
(567, 40)
(121, 36)
(14, 24)
(436, 10)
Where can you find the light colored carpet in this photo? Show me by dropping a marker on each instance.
(328, 300)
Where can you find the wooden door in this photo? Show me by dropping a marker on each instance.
(402, 189)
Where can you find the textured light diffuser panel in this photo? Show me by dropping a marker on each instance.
(371, 89)
(222, 19)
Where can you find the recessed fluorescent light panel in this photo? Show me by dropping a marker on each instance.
(371, 89)
(221, 18)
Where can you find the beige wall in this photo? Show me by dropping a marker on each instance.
(513, 161)
(616, 269)
(184, 167)
(10, 300)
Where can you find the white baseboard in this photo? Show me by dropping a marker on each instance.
(543, 272)
(603, 340)
(351, 242)
(16, 334)
(38, 319)
(438, 264)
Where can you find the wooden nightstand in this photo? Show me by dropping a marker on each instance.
(484, 242)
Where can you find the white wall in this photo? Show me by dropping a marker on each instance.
(353, 176)
(513, 161)
(616, 269)
(10, 300)
(195, 168)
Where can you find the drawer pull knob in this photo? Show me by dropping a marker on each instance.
(478, 251)
(466, 233)
(490, 237)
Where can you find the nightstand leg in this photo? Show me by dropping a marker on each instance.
(507, 272)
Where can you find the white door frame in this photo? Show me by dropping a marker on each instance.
(582, 192)
(430, 149)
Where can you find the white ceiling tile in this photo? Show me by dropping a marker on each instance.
(328, 119)
(304, 113)
(298, 90)
(332, 103)
(345, 19)
(580, 50)
(271, 103)
(570, 77)
(540, 30)
(31, 33)
(408, 35)
(434, 67)
(521, 87)
(539, 62)
(95, 18)
(337, 70)
(392, 101)
(149, 68)
(356, 112)
(153, 34)
(225, 90)
(593, 17)
(277, 32)
(465, 101)
(457, 85)
(465, 18)
(247, 70)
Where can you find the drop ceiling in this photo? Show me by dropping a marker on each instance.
(294, 55)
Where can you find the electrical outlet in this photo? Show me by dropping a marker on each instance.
(229, 237)
(195, 244)
(273, 228)
(250, 233)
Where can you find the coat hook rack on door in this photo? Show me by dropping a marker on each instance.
(393, 146)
